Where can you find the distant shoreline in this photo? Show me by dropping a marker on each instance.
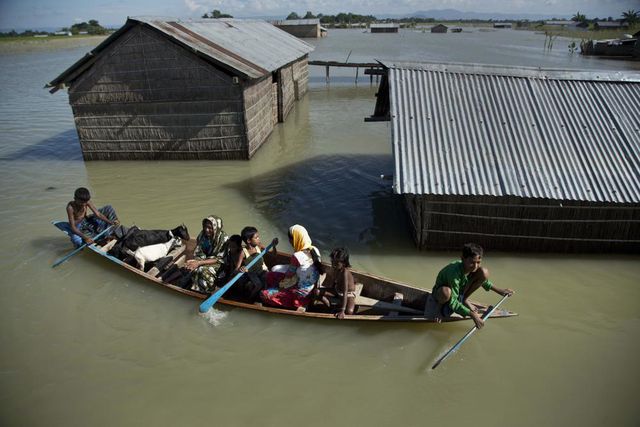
(39, 44)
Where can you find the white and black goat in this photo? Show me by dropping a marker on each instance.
(136, 238)
(151, 245)
(153, 253)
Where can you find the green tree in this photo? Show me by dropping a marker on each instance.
(216, 14)
(631, 16)
(309, 15)
(293, 15)
(579, 17)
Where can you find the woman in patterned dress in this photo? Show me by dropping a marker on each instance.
(208, 254)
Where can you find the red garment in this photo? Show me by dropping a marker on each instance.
(286, 298)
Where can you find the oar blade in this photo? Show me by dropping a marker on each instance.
(467, 335)
(78, 249)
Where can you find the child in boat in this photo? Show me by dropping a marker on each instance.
(83, 226)
(456, 282)
(208, 254)
(231, 255)
(343, 285)
(304, 265)
(251, 248)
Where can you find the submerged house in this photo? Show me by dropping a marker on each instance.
(515, 158)
(440, 28)
(165, 89)
(302, 28)
(384, 28)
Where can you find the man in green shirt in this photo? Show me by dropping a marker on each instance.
(458, 280)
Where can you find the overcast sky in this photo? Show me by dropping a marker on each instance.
(58, 13)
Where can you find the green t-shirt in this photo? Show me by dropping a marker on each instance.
(453, 276)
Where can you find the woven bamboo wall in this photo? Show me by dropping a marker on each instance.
(300, 77)
(147, 98)
(286, 95)
(274, 101)
(510, 223)
(258, 104)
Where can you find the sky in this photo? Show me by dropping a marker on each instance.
(22, 14)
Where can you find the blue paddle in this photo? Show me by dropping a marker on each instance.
(75, 251)
(208, 303)
(475, 328)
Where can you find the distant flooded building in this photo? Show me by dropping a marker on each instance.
(439, 28)
(302, 28)
(502, 25)
(515, 158)
(202, 89)
(384, 28)
(456, 29)
(567, 25)
(610, 25)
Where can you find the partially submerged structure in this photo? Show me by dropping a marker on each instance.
(515, 158)
(610, 25)
(384, 28)
(302, 28)
(161, 88)
(625, 48)
(567, 24)
(440, 28)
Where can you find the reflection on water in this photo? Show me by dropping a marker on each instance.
(89, 344)
(334, 196)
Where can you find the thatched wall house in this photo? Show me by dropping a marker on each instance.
(515, 158)
(166, 89)
(302, 28)
(439, 28)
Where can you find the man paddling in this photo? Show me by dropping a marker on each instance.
(82, 226)
(456, 282)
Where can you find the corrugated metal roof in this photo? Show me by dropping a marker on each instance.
(297, 22)
(461, 129)
(250, 48)
(384, 25)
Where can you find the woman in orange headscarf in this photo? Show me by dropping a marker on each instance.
(305, 266)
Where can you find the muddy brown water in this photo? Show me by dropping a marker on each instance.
(88, 344)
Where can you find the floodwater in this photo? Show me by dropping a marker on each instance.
(88, 344)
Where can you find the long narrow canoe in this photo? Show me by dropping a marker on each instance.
(378, 299)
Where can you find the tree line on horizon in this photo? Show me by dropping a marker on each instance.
(92, 27)
(630, 16)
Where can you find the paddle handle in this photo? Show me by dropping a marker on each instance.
(468, 334)
(84, 245)
(209, 302)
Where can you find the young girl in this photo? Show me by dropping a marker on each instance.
(258, 274)
(304, 265)
(343, 283)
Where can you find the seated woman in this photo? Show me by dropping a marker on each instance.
(305, 266)
(208, 254)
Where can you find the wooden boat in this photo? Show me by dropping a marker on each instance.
(378, 298)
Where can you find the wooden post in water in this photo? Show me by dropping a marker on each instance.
(327, 74)
(357, 69)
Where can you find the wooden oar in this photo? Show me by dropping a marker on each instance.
(459, 343)
(208, 303)
(84, 245)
